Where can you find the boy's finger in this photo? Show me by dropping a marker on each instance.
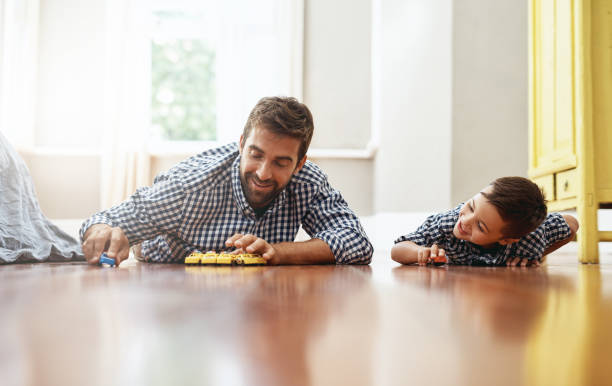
(524, 262)
(434, 250)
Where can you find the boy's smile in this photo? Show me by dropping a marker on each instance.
(480, 223)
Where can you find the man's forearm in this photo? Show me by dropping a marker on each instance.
(314, 251)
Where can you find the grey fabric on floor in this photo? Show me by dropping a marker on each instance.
(26, 235)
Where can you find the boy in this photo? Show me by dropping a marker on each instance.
(505, 223)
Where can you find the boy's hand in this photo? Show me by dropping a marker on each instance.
(523, 262)
(425, 254)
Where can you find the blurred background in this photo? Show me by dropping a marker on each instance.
(417, 104)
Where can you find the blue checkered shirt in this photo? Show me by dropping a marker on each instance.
(438, 229)
(199, 203)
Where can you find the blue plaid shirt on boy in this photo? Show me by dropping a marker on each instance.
(199, 203)
(438, 229)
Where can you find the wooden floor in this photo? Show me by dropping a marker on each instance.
(146, 324)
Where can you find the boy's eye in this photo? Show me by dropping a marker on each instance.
(480, 227)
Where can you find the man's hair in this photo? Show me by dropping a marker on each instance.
(283, 116)
(520, 204)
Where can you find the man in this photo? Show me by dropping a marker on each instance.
(250, 197)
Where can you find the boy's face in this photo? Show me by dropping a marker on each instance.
(480, 223)
(268, 162)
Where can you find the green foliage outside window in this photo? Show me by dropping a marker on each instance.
(183, 93)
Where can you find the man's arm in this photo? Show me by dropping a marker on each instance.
(150, 211)
(330, 219)
(337, 236)
(313, 251)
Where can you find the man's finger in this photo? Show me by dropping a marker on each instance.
(524, 262)
(100, 239)
(117, 242)
(230, 242)
(257, 246)
(245, 241)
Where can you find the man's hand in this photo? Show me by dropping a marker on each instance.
(523, 262)
(100, 238)
(253, 244)
(425, 254)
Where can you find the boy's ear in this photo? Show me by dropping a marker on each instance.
(507, 241)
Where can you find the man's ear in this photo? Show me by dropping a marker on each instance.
(300, 165)
(241, 143)
(507, 241)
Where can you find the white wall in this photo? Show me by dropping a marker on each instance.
(412, 110)
(438, 82)
(70, 73)
(489, 93)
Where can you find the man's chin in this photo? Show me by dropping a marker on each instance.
(259, 201)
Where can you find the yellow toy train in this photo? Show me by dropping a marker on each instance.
(212, 258)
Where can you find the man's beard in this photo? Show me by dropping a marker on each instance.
(258, 199)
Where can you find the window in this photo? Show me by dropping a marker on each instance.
(183, 72)
(212, 61)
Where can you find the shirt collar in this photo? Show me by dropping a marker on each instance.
(241, 200)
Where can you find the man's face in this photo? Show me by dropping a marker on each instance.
(268, 162)
(480, 223)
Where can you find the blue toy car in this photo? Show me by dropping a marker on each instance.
(104, 259)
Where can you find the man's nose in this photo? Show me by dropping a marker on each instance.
(264, 172)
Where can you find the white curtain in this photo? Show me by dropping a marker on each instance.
(125, 160)
(19, 26)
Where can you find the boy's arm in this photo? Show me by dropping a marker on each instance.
(573, 224)
(407, 252)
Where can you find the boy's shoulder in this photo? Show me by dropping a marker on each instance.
(444, 221)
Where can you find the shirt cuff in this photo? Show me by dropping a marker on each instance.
(96, 219)
(347, 246)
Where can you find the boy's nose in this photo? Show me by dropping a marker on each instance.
(467, 222)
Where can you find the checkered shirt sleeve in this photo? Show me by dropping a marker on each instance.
(150, 211)
(330, 219)
(532, 246)
(435, 230)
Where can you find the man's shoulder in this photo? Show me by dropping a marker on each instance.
(205, 169)
(310, 175)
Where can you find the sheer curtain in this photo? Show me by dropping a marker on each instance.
(125, 161)
(19, 26)
(259, 51)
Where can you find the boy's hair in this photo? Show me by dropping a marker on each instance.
(520, 204)
(284, 116)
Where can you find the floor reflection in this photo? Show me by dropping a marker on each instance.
(572, 341)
